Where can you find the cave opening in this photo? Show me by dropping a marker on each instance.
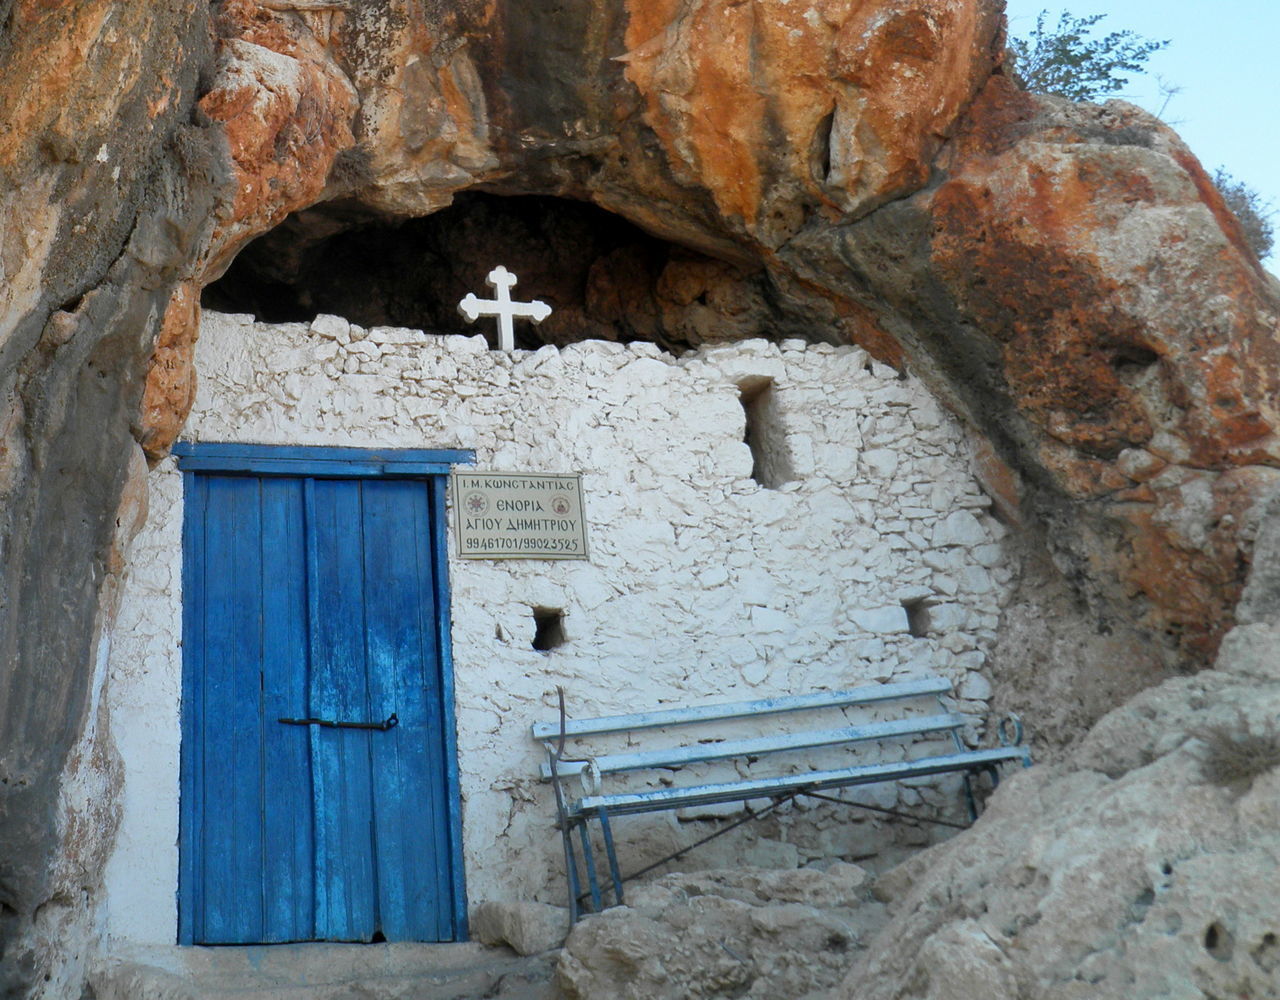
(604, 277)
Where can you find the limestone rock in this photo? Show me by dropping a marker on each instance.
(1260, 600)
(722, 933)
(529, 928)
(170, 388)
(1133, 871)
(105, 190)
(1022, 173)
(1146, 454)
(962, 962)
(285, 106)
(858, 99)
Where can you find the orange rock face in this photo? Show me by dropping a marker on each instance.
(170, 388)
(1140, 341)
(71, 76)
(772, 107)
(1090, 248)
(286, 109)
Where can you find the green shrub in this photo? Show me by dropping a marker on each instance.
(1254, 214)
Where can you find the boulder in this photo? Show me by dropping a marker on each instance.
(1143, 866)
(528, 928)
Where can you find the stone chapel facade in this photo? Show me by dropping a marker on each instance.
(848, 543)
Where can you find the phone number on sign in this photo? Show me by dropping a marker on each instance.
(526, 544)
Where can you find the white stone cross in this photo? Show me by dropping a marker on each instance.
(501, 281)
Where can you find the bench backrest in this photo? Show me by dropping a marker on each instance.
(721, 749)
(869, 695)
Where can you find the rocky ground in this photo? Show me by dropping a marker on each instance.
(327, 972)
(732, 933)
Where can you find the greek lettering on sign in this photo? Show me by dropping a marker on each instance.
(519, 516)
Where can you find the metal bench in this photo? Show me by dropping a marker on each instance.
(576, 812)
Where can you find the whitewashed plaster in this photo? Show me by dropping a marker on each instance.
(702, 585)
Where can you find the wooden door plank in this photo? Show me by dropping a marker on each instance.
(433, 619)
(288, 849)
(410, 802)
(345, 897)
(190, 821)
(312, 460)
(434, 547)
(232, 728)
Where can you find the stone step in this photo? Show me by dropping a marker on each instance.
(327, 972)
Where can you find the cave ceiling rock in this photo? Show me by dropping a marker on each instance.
(713, 127)
(286, 109)
(780, 109)
(786, 115)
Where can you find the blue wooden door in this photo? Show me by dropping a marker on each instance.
(316, 598)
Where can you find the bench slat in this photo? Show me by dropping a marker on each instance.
(675, 798)
(676, 756)
(868, 695)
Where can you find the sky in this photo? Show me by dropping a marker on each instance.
(1223, 57)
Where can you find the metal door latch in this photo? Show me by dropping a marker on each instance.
(390, 722)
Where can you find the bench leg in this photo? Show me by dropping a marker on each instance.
(994, 773)
(566, 839)
(969, 800)
(607, 830)
(571, 871)
(597, 904)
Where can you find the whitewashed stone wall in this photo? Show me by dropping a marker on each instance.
(702, 585)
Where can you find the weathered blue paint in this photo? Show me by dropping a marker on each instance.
(637, 760)
(410, 794)
(307, 461)
(289, 912)
(317, 596)
(440, 556)
(342, 782)
(231, 691)
(438, 545)
(719, 712)
(191, 762)
(741, 791)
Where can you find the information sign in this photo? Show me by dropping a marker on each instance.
(515, 515)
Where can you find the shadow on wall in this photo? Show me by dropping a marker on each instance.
(604, 278)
